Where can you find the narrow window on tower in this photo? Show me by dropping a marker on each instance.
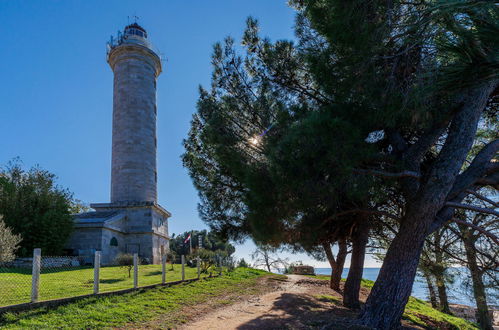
(114, 242)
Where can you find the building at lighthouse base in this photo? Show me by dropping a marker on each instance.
(115, 228)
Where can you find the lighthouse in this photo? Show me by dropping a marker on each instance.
(133, 221)
(136, 67)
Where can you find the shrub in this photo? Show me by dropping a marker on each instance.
(243, 263)
(125, 261)
(9, 243)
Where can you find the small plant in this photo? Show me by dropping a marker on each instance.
(172, 255)
(125, 261)
(229, 263)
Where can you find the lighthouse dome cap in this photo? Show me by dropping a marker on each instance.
(135, 29)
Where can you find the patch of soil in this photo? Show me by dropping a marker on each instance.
(299, 303)
(216, 302)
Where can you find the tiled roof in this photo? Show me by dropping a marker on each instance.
(94, 217)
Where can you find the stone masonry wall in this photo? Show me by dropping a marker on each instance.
(133, 172)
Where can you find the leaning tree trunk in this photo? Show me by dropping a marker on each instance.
(354, 279)
(390, 293)
(337, 263)
(483, 315)
(442, 293)
(431, 290)
(439, 273)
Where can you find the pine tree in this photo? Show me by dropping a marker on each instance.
(371, 115)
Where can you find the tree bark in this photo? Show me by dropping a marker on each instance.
(354, 278)
(483, 316)
(390, 293)
(337, 263)
(439, 269)
(431, 290)
(442, 293)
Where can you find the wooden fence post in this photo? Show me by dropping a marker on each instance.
(135, 270)
(163, 269)
(96, 271)
(35, 275)
(183, 267)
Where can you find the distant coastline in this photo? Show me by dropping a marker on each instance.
(419, 290)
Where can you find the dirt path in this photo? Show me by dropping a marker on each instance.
(299, 303)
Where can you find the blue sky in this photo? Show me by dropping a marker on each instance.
(56, 87)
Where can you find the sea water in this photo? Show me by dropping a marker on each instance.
(455, 290)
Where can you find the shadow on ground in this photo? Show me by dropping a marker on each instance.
(298, 311)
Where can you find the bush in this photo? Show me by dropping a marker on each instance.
(229, 263)
(125, 261)
(242, 263)
(9, 243)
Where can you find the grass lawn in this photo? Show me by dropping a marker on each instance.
(135, 307)
(16, 284)
(420, 312)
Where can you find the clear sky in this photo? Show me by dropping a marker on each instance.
(56, 87)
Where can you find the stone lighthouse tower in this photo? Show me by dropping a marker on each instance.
(136, 66)
(133, 222)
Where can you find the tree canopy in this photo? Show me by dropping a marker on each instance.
(210, 241)
(371, 115)
(36, 208)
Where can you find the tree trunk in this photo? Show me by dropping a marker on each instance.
(340, 264)
(439, 273)
(352, 285)
(391, 291)
(267, 260)
(431, 290)
(337, 263)
(483, 316)
(442, 293)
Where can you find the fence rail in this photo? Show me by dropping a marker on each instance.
(45, 278)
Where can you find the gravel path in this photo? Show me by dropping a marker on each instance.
(292, 306)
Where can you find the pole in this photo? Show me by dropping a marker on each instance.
(96, 271)
(135, 270)
(183, 267)
(163, 269)
(35, 275)
(199, 267)
(190, 243)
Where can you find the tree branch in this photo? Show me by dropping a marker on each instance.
(383, 213)
(402, 174)
(479, 168)
(490, 180)
(477, 228)
(483, 198)
(472, 208)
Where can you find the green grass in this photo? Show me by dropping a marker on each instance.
(16, 284)
(418, 311)
(328, 298)
(320, 277)
(135, 307)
